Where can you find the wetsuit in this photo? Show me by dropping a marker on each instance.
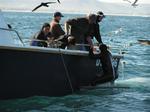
(106, 61)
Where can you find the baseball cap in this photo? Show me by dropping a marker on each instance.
(100, 13)
(58, 14)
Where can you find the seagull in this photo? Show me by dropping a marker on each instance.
(43, 4)
(134, 3)
(127, 1)
(58, 1)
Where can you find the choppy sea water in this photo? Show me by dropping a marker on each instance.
(132, 89)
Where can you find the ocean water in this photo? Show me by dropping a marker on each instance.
(132, 90)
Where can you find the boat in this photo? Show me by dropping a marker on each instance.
(27, 71)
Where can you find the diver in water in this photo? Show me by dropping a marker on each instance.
(106, 61)
(40, 38)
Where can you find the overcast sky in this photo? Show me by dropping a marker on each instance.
(122, 1)
(108, 6)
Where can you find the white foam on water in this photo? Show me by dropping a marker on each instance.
(135, 82)
(118, 31)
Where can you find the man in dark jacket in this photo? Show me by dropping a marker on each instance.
(96, 32)
(56, 29)
(81, 28)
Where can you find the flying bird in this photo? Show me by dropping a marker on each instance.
(58, 1)
(127, 1)
(43, 4)
(134, 3)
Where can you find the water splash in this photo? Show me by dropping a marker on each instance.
(137, 82)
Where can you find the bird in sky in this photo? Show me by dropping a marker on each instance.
(133, 4)
(58, 1)
(43, 4)
(128, 1)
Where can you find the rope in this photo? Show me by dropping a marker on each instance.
(67, 73)
(16, 33)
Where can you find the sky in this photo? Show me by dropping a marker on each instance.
(80, 6)
(122, 1)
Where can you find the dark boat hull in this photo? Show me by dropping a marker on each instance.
(25, 73)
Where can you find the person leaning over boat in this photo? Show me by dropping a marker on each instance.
(96, 33)
(81, 29)
(40, 38)
(56, 28)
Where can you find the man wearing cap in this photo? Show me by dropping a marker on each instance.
(56, 28)
(81, 29)
(96, 26)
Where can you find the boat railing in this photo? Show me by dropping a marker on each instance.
(12, 30)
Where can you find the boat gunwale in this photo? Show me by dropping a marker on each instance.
(52, 50)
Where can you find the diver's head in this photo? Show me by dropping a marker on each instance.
(58, 16)
(100, 16)
(103, 48)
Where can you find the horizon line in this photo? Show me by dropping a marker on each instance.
(67, 12)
